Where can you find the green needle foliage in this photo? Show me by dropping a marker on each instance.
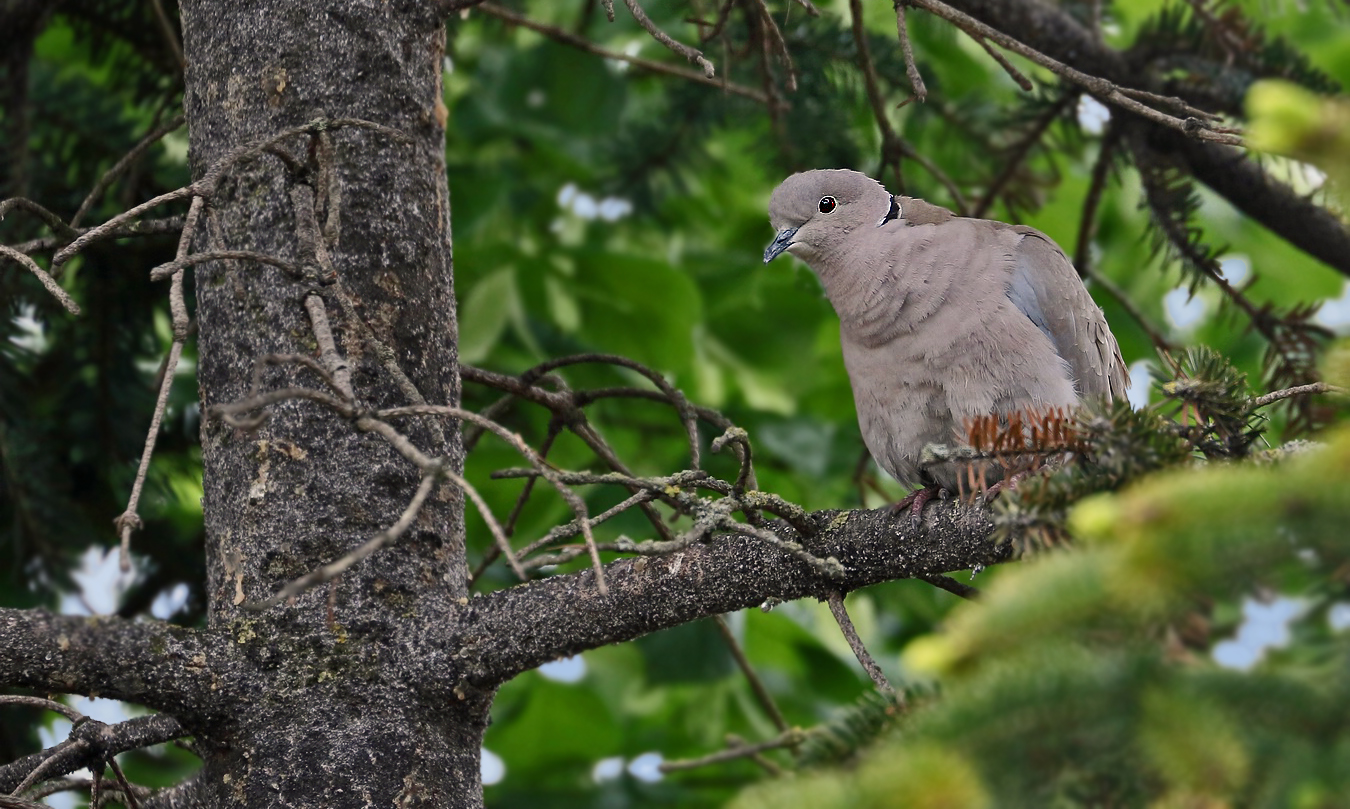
(1087, 677)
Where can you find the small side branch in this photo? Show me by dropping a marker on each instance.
(788, 738)
(47, 281)
(334, 569)
(566, 38)
(692, 54)
(1299, 390)
(762, 695)
(951, 585)
(91, 746)
(1198, 124)
(130, 520)
(120, 167)
(911, 69)
(855, 643)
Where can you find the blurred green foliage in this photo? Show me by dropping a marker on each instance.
(600, 208)
(1087, 677)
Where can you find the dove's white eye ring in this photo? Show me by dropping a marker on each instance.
(828, 204)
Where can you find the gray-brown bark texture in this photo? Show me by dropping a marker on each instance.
(329, 712)
(373, 689)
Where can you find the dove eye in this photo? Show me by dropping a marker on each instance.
(828, 204)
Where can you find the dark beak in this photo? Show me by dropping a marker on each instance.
(780, 243)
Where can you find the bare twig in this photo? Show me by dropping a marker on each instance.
(130, 520)
(555, 426)
(775, 38)
(911, 68)
(291, 359)
(1017, 76)
(166, 28)
(128, 791)
(870, 82)
(94, 234)
(47, 281)
(503, 543)
(49, 764)
(709, 516)
(332, 361)
(52, 221)
(577, 505)
(566, 404)
(230, 411)
(788, 738)
(334, 569)
(73, 784)
(179, 264)
(692, 54)
(1107, 92)
(130, 157)
(723, 16)
(1014, 158)
(559, 35)
(206, 186)
(1300, 390)
(892, 145)
(951, 585)
(761, 693)
(572, 528)
(1087, 221)
(145, 227)
(38, 702)
(855, 643)
(673, 394)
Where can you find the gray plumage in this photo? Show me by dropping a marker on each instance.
(942, 318)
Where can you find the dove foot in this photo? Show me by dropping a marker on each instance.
(915, 501)
(1006, 484)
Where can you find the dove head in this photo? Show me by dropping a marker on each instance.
(815, 210)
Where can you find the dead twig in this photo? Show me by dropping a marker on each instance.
(855, 643)
(1087, 221)
(1014, 158)
(1299, 390)
(130, 520)
(1196, 125)
(951, 585)
(559, 35)
(334, 569)
(788, 738)
(47, 281)
(1016, 75)
(692, 54)
(130, 157)
(911, 68)
(762, 695)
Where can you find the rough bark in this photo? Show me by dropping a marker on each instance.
(365, 694)
(373, 689)
(328, 714)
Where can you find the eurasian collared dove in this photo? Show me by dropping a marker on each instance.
(942, 318)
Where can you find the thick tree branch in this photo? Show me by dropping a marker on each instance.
(1275, 205)
(159, 665)
(512, 630)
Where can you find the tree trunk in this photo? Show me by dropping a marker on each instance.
(328, 704)
(372, 689)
